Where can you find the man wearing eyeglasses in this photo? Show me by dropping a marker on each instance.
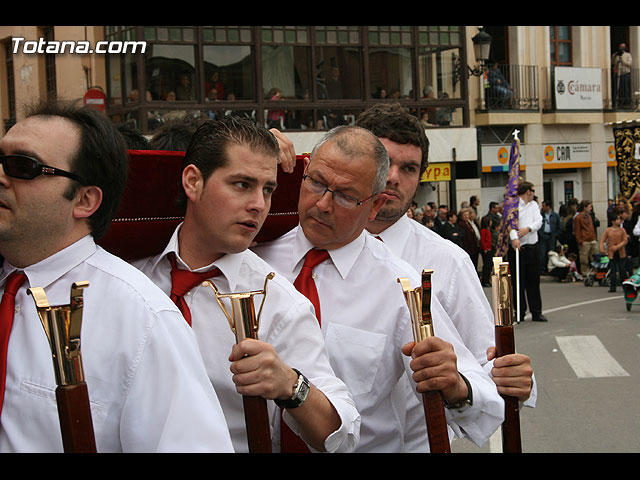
(362, 311)
(63, 173)
(229, 175)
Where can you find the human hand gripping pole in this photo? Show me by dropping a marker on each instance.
(419, 303)
(244, 323)
(505, 345)
(62, 325)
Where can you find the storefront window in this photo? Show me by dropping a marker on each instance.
(390, 73)
(295, 77)
(131, 78)
(441, 116)
(439, 73)
(285, 68)
(114, 81)
(171, 72)
(228, 72)
(338, 73)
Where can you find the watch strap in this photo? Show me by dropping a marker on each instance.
(300, 392)
(466, 402)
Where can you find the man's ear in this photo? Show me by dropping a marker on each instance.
(378, 203)
(192, 181)
(88, 199)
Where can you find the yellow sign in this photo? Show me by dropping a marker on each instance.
(437, 172)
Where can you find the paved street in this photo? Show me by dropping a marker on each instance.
(587, 364)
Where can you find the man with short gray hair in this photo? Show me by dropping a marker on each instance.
(361, 307)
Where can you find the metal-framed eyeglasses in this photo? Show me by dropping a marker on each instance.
(25, 167)
(342, 199)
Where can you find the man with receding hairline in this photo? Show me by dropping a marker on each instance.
(362, 310)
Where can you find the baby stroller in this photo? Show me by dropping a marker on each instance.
(599, 271)
(630, 288)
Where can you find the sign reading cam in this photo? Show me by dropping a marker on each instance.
(570, 155)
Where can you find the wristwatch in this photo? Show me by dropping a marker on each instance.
(466, 402)
(300, 392)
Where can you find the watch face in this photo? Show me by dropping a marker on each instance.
(303, 389)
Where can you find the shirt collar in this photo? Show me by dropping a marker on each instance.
(343, 258)
(47, 271)
(229, 264)
(395, 236)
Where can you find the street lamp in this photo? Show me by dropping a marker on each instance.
(481, 47)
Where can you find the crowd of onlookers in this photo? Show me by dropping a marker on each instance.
(569, 240)
(476, 234)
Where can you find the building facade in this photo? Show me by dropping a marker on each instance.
(555, 86)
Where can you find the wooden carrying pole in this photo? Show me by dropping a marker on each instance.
(244, 323)
(505, 345)
(62, 324)
(419, 302)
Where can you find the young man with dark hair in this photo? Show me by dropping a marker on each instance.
(455, 281)
(229, 175)
(63, 172)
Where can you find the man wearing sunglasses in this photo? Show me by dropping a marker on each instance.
(63, 172)
(362, 310)
(229, 175)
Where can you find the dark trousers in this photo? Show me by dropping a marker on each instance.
(618, 270)
(546, 242)
(529, 279)
(487, 266)
(560, 272)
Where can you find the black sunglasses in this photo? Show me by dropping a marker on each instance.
(24, 167)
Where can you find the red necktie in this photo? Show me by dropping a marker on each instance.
(305, 284)
(7, 309)
(182, 281)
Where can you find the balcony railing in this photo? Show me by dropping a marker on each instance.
(623, 92)
(529, 87)
(510, 87)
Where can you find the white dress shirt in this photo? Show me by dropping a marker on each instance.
(454, 282)
(636, 228)
(366, 321)
(528, 216)
(287, 323)
(147, 385)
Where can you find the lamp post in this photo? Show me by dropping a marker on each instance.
(481, 46)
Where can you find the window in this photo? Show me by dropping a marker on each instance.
(391, 66)
(228, 63)
(170, 72)
(439, 74)
(560, 45)
(338, 63)
(293, 77)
